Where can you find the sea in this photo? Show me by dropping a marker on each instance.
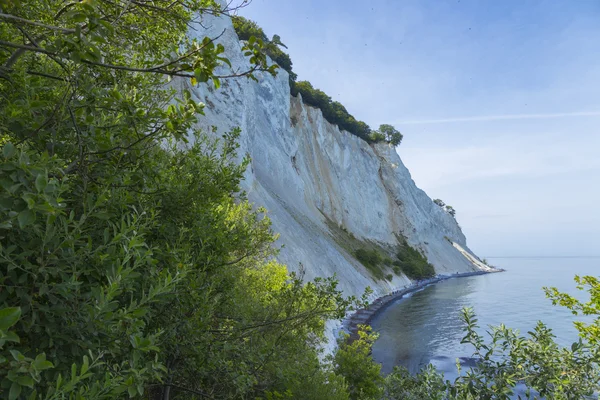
(426, 327)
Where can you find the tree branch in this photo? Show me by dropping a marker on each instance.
(313, 312)
(35, 23)
(157, 69)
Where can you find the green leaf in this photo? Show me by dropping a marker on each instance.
(15, 391)
(226, 61)
(17, 355)
(200, 75)
(78, 17)
(102, 215)
(86, 365)
(40, 363)
(132, 390)
(11, 337)
(51, 188)
(9, 150)
(26, 217)
(25, 380)
(9, 317)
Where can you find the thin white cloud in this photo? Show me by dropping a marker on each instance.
(523, 155)
(503, 117)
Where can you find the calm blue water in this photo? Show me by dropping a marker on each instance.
(426, 327)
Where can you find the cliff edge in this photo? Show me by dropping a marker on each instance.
(327, 192)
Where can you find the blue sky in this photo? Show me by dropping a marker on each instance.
(498, 101)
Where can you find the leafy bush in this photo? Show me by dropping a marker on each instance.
(246, 29)
(333, 111)
(449, 209)
(353, 361)
(376, 137)
(412, 263)
(427, 384)
(371, 259)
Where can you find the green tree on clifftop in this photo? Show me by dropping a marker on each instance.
(391, 134)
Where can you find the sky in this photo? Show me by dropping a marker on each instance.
(498, 101)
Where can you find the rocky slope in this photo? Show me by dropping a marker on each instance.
(326, 191)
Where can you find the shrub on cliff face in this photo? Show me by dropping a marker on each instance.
(449, 209)
(371, 259)
(439, 202)
(413, 263)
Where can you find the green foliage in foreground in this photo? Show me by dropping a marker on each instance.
(505, 359)
(353, 361)
(131, 264)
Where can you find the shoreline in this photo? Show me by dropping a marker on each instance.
(366, 315)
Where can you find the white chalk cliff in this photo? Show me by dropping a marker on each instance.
(317, 181)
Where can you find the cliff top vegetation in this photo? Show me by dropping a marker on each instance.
(333, 111)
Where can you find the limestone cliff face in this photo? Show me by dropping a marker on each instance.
(321, 186)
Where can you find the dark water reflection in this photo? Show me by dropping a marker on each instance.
(426, 327)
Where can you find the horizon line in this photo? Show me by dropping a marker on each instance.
(597, 256)
(502, 117)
